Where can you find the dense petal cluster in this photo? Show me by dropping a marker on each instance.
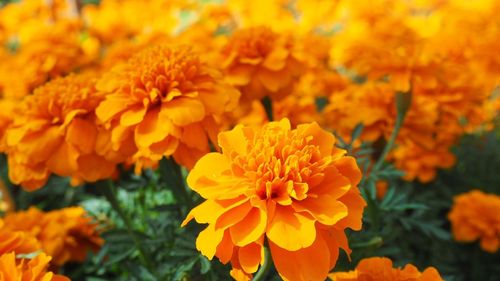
(36, 269)
(424, 57)
(16, 241)
(55, 132)
(291, 189)
(381, 269)
(66, 234)
(164, 101)
(261, 62)
(474, 216)
(44, 51)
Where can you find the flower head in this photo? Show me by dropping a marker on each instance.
(261, 62)
(36, 269)
(164, 101)
(55, 132)
(16, 241)
(420, 162)
(292, 188)
(474, 216)
(65, 234)
(380, 269)
(46, 51)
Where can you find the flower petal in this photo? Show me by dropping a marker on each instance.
(291, 231)
(250, 228)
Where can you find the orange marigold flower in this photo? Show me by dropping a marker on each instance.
(16, 241)
(380, 269)
(261, 62)
(45, 51)
(164, 101)
(36, 269)
(55, 132)
(474, 216)
(65, 234)
(291, 188)
(419, 162)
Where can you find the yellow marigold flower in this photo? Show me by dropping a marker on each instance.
(381, 269)
(16, 241)
(113, 20)
(474, 216)
(261, 62)
(164, 101)
(55, 132)
(66, 234)
(36, 269)
(291, 188)
(259, 12)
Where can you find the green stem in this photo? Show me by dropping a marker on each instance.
(264, 269)
(171, 173)
(268, 106)
(403, 101)
(108, 190)
(374, 242)
(388, 146)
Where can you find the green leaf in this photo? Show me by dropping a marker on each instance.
(356, 133)
(204, 264)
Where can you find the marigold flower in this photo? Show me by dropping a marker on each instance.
(45, 51)
(474, 216)
(113, 20)
(291, 188)
(380, 269)
(35, 269)
(55, 132)
(261, 62)
(65, 234)
(420, 162)
(16, 241)
(258, 12)
(164, 101)
(424, 140)
(8, 109)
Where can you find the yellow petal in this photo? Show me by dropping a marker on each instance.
(208, 240)
(183, 111)
(133, 115)
(309, 264)
(250, 229)
(82, 134)
(151, 129)
(276, 60)
(325, 209)
(291, 231)
(250, 257)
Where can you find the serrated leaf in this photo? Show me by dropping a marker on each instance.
(205, 265)
(356, 133)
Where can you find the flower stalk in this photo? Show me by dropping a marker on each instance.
(264, 269)
(171, 173)
(403, 102)
(268, 107)
(108, 190)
